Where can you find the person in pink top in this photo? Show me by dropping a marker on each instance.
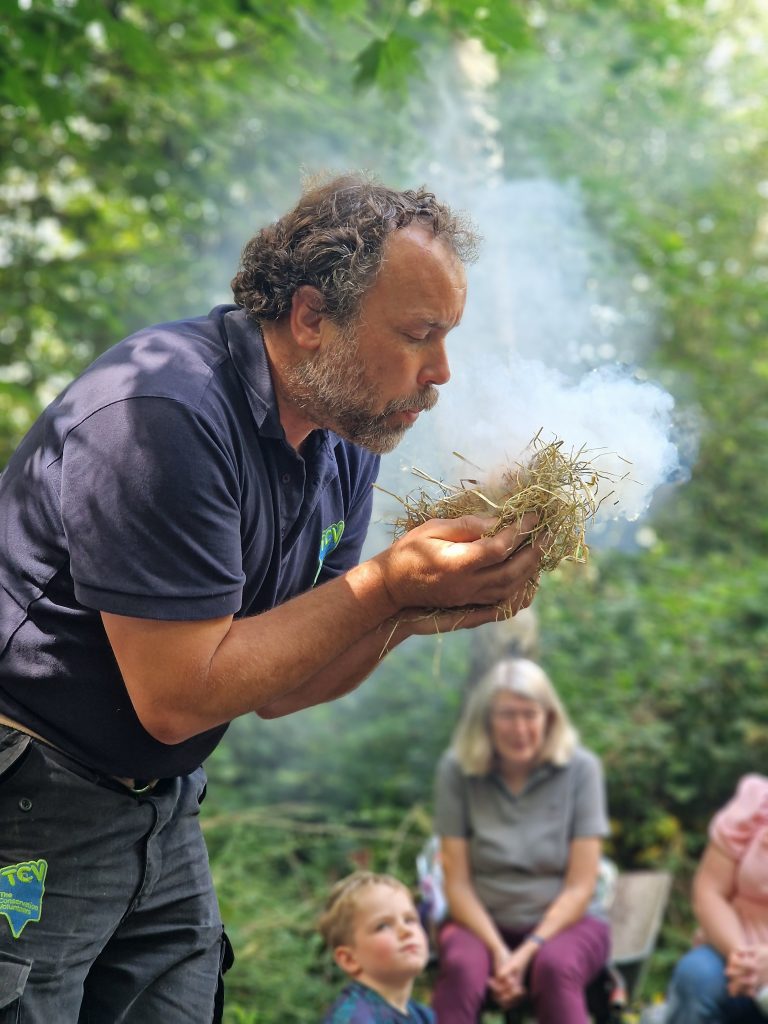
(720, 980)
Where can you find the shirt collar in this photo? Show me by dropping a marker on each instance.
(541, 772)
(249, 356)
(246, 347)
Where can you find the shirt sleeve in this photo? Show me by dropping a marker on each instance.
(733, 827)
(151, 511)
(451, 813)
(590, 815)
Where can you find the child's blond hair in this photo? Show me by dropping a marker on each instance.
(337, 921)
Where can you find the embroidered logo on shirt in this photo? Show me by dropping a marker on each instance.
(21, 893)
(329, 540)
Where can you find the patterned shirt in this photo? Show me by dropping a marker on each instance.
(358, 1004)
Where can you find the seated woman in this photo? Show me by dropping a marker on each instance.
(520, 809)
(719, 980)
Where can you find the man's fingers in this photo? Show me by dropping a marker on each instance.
(518, 535)
(462, 530)
(501, 605)
(469, 529)
(513, 581)
(423, 622)
(452, 563)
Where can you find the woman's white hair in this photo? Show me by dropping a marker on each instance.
(472, 742)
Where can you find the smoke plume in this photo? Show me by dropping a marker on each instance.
(553, 338)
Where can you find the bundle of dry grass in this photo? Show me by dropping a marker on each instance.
(560, 487)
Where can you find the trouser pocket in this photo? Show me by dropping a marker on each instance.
(225, 962)
(13, 977)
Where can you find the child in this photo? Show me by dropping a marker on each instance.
(373, 928)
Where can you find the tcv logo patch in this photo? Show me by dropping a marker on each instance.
(329, 540)
(21, 893)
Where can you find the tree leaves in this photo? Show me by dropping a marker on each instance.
(388, 63)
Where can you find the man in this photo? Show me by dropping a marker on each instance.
(179, 539)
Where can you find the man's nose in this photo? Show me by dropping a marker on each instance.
(436, 369)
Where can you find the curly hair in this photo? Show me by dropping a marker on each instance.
(333, 239)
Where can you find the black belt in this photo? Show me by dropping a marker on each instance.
(120, 785)
(134, 786)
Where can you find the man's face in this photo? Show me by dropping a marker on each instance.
(369, 380)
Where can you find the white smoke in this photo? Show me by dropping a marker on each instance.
(623, 425)
(554, 332)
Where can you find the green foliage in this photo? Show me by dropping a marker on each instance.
(268, 887)
(660, 663)
(669, 687)
(136, 139)
(273, 868)
(383, 62)
(382, 739)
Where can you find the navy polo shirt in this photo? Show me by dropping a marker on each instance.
(159, 484)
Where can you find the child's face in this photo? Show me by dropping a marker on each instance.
(388, 945)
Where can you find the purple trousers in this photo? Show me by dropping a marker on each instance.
(559, 973)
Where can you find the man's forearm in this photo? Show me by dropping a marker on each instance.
(184, 678)
(344, 673)
(201, 675)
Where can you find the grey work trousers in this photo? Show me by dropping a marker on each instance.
(107, 908)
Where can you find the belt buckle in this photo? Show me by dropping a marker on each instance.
(146, 785)
(144, 789)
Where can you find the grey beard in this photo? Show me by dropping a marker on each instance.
(333, 391)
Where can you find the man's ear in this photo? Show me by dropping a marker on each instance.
(307, 317)
(346, 960)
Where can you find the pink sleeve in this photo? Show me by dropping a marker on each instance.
(733, 827)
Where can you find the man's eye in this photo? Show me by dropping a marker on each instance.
(415, 337)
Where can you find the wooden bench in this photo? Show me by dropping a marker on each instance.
(636, 914)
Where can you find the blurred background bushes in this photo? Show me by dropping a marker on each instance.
(141, 144)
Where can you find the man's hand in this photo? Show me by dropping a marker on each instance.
(450, 563)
